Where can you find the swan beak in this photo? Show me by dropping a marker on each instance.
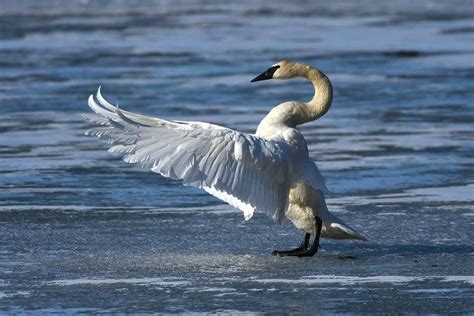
(267, 74)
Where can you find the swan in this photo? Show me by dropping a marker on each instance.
(269, 171)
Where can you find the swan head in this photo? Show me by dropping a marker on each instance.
(283, 69)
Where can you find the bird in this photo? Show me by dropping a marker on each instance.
(269, 171)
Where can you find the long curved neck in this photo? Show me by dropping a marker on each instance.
(322, 99)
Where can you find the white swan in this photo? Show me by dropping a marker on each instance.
(269, 171)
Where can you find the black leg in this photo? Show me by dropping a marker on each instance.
(314, 247)
(302, 248)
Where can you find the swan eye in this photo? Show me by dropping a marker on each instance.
(267, 74)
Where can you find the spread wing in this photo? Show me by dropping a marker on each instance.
(248, 172)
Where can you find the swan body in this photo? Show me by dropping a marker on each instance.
(268, 171)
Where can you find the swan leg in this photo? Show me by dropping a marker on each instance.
(314, 247)
(302, 248)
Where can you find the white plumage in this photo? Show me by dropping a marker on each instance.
(251, 172)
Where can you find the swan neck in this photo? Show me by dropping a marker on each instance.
(322, 99)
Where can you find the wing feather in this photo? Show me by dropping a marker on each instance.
(246, 171)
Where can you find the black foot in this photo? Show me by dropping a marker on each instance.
(284, 253)
(307, 253)
(296, 251)
(303, 251)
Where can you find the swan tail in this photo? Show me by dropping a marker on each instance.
(335, 228)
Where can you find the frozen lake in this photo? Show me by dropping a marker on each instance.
(82, 231)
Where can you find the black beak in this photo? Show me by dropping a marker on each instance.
(267, 74)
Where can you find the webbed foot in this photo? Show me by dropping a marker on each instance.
(294, 252)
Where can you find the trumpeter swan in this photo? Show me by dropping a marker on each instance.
(269, 171)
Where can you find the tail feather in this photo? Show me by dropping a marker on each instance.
(335, 228)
